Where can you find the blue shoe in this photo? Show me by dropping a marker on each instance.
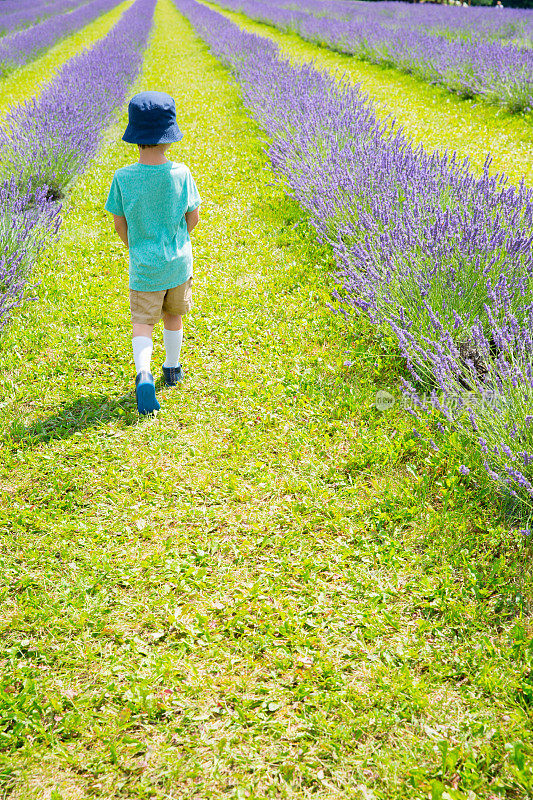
(145, 393)
(173, 375)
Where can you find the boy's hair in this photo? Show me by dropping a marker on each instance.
(145, 146)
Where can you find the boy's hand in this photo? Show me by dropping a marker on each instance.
(192, 219)
(121, 227)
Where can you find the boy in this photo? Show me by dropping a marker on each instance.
(155, 204)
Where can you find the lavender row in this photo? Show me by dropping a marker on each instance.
(422, 247)
(26, 45)
(474, 23)
(15, 15)
(31, 13)
(500, 73)
(29, 221)
(45, 142)
(9, 6)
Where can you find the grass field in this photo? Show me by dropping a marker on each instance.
(430, 114)
(271, 589)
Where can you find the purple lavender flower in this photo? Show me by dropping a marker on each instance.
(29, 221)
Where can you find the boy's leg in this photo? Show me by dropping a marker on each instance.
(173, 338)
(142, 347)
(145, 311)
(177, 302)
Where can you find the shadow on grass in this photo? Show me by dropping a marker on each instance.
(93, 411)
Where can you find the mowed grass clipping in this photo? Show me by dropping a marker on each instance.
(431, 115)
(28, 81)
(271, 589)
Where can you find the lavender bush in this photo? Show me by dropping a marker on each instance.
(494, 416)
(61, 130)
(26, 45)
(467, 24)
(425, 249)
(20, 15)
(461, 57)
(29, 221)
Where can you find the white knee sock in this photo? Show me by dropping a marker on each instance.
(172, 340)
(142, 353)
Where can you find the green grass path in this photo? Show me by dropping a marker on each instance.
(28, 81)
(270, 590)
(429, 114)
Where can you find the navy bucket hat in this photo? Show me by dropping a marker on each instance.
(152, 119)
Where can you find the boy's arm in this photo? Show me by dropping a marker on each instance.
(121, 227)
(192, 218)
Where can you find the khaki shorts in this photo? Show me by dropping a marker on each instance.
(147, 308)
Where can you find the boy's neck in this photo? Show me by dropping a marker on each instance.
(153, 156)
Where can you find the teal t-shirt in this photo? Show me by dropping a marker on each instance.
(154, 200)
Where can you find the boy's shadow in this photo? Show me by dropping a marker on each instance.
(92, 411)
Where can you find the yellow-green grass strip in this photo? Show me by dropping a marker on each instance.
(430, 114)
(271, 590)
(29, 80)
